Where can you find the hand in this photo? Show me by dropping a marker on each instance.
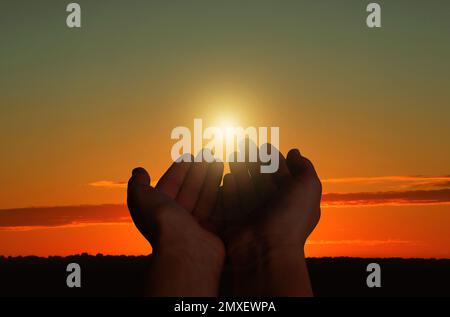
(266, 219)
(174, 217)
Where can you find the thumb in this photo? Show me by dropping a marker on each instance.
(139, 176)
(142, 196)
(142, 201)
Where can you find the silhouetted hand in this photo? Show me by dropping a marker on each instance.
(174, 217)
(266, 219)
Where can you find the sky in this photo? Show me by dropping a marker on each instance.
(80, 108)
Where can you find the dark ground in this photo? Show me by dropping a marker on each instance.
(123, 276)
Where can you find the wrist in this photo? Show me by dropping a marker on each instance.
(264, 268)
(255, 249)
(207, 262)
(192, 253)
(179, 270)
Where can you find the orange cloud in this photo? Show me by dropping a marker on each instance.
(112, 184)
(358, 242)
(38, 217)
(428, 184)
(412, 197)
(380, 179)
(394, 182)
(109, 184)
(411, 181)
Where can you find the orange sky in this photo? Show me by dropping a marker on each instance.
(79, 109)
(357, 231)
(410, 221)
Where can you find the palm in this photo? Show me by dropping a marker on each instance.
(282, 208)
(177, 211)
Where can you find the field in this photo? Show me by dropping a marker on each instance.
(125, 276)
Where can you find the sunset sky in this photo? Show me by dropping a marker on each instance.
(80, 108)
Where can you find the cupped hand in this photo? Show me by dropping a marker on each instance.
(266, 218)
(174, 217)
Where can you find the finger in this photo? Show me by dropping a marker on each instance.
(139, 193)
(139, 188)
(142, 199)
(190, 190)
(263, 182)
(216, 218)
(172, 180)
(299, 165)
(244, 185)
(295, 162)
(230, 199)
(253, 167)
(305, 174)
(139, 177)
(208, 196)
(282, 174)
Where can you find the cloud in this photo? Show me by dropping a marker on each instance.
(388, 190)
(113, 184)
(358, 242)
(411, 197)
(428, 184)
(39, 217)
(109, 184)
(394, 182)
(44, 217)
(403, 182)
(381, 179)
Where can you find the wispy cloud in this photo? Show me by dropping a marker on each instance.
(109, 184)
(113, 184)
(411, 197)
(43, 217)
(427, 184)
(380, 179)
(358, 242)
(403, 181)
(393, 182)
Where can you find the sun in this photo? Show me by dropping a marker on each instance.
(228, 124)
